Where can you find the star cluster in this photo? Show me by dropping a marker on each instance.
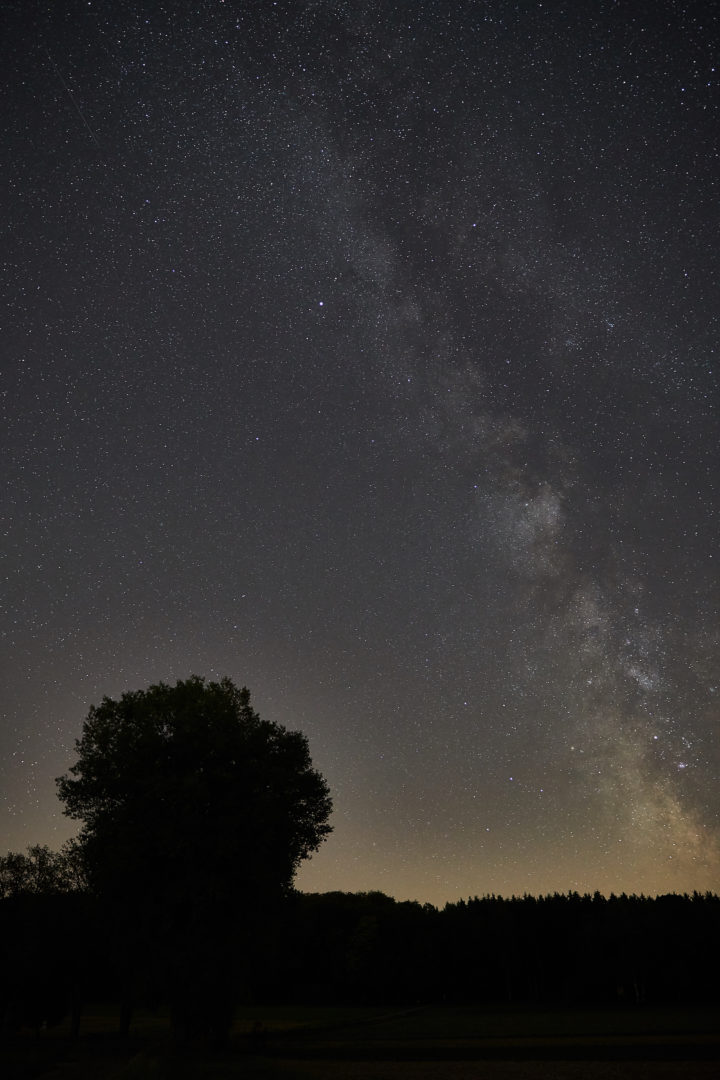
(368, 354)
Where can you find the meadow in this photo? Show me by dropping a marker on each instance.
(366, 1043)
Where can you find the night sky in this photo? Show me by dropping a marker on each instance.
(367, 353)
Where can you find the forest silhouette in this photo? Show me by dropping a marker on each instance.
(178, 893)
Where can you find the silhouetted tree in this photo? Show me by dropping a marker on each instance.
(41, 871)
(196, 814)
(42, 907)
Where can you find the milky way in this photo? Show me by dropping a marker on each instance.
(368, 354)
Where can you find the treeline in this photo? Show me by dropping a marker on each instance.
(563, 948)
(59, 946)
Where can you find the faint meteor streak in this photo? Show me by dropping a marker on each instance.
(75, 105)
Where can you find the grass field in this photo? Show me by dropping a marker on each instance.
(462, 1043)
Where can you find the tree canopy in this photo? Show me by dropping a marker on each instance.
(190, 776)
(195, 813)
(41, 872)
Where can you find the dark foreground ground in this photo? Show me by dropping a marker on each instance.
(463, 1043)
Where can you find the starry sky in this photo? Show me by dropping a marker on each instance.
(367, 353)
